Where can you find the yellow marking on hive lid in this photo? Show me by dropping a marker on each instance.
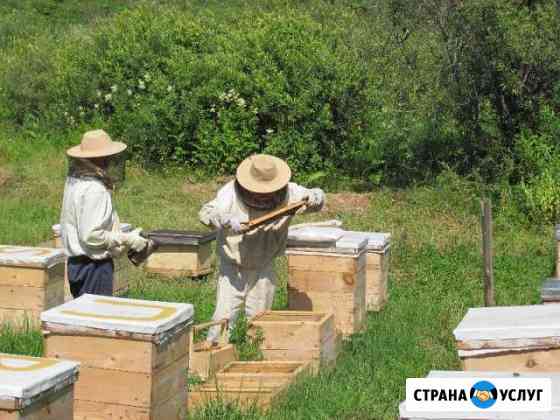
(165, 311)
(37, 363)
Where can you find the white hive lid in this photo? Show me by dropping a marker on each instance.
(119, 314)
(23, 377)
(325, 240)
(315, 234)
(377, 241)
(523, 324)
(24, 256)
(553, 415)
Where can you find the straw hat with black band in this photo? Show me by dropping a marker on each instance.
(263, 174)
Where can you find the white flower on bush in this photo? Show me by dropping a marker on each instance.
(255, 111)
(96, 106)
(80, 108)
(129, 92)
(141, 85)
(269, 131)
(108, 97)
(82, 113)
(98, 93)
(65, 113)
(222, 96)
(114, 88)
(169, 88)
(241, 102)
(213, 108)
(147, 77)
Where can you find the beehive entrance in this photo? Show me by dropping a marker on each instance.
(259, 367)
(290, 317)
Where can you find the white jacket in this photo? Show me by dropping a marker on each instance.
(257, 248)
(89, 223)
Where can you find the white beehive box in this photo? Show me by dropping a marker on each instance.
(31, 281)
(553, 415)
(510, 338)
(133, 355)
(328, 274)
(120, 281)
(33, 388)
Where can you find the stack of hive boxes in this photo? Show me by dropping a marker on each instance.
(133, 355)
(31, 281)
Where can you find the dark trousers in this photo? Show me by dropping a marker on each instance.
(90, 276)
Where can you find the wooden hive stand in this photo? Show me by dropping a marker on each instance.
(33, 388)
(330, 279)
(31, 281)
(405, 414)
(205, 362)
(298, 335)
(249, 383)
(133, 355)
(181, 253)
(120, 281)
(510, 338)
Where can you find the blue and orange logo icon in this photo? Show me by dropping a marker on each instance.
(483, 394)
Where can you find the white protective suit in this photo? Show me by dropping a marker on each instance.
(89, 224)
(246, 274)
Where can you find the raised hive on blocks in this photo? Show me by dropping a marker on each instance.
(327, 273)
(481, 414)
(120, 280)
(33, 388)
(248, 383)
(510, 338)
(31, 281)
(133, 355)
(181, 253)
(298, 335)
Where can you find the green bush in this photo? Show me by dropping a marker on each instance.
(192, 88)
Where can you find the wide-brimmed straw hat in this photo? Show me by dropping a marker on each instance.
(95, 144)
(263, 174)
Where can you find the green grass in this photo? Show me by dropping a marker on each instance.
(435, 272)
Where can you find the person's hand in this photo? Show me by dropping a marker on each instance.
(315, 197)
(235, 224)
(135, 241)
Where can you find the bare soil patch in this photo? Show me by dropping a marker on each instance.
(347, 202)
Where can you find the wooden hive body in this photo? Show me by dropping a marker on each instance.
(249, 383)
(554, 414)
(33, 388)
(329, 279)
(120, 281)
(133, 355)
(298, 335)
(510, 338)
(31, 281)
(181, 253)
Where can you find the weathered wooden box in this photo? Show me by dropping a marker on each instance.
(554, 414)
(330, 279)
(33, 388)
(298, 335)
(249, 383)
(120, 281)
(550, 291)
(181, 253)
(31, 281)
(377, 268)
(510, 338)
(133, 355)
(205, 362)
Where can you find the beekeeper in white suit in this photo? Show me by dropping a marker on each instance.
(89, 223)
(246, 274)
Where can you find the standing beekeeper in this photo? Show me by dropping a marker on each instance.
(90, 226)
(246, 274)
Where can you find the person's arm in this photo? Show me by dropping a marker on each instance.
(216, 212)
(95, 219)
(315, 197)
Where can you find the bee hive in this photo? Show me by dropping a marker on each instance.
(133, 355)
(31, 281)
(33, 388)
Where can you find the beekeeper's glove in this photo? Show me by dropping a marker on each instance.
(235, 223)
(135, 241)
(316, 197)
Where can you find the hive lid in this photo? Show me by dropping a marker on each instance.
(24, 377)
(377, 241)
(518, 325)
(24, 256)
(551, 289)
(427, 415)
(326, 240)
(181, 237)
(119, 314)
